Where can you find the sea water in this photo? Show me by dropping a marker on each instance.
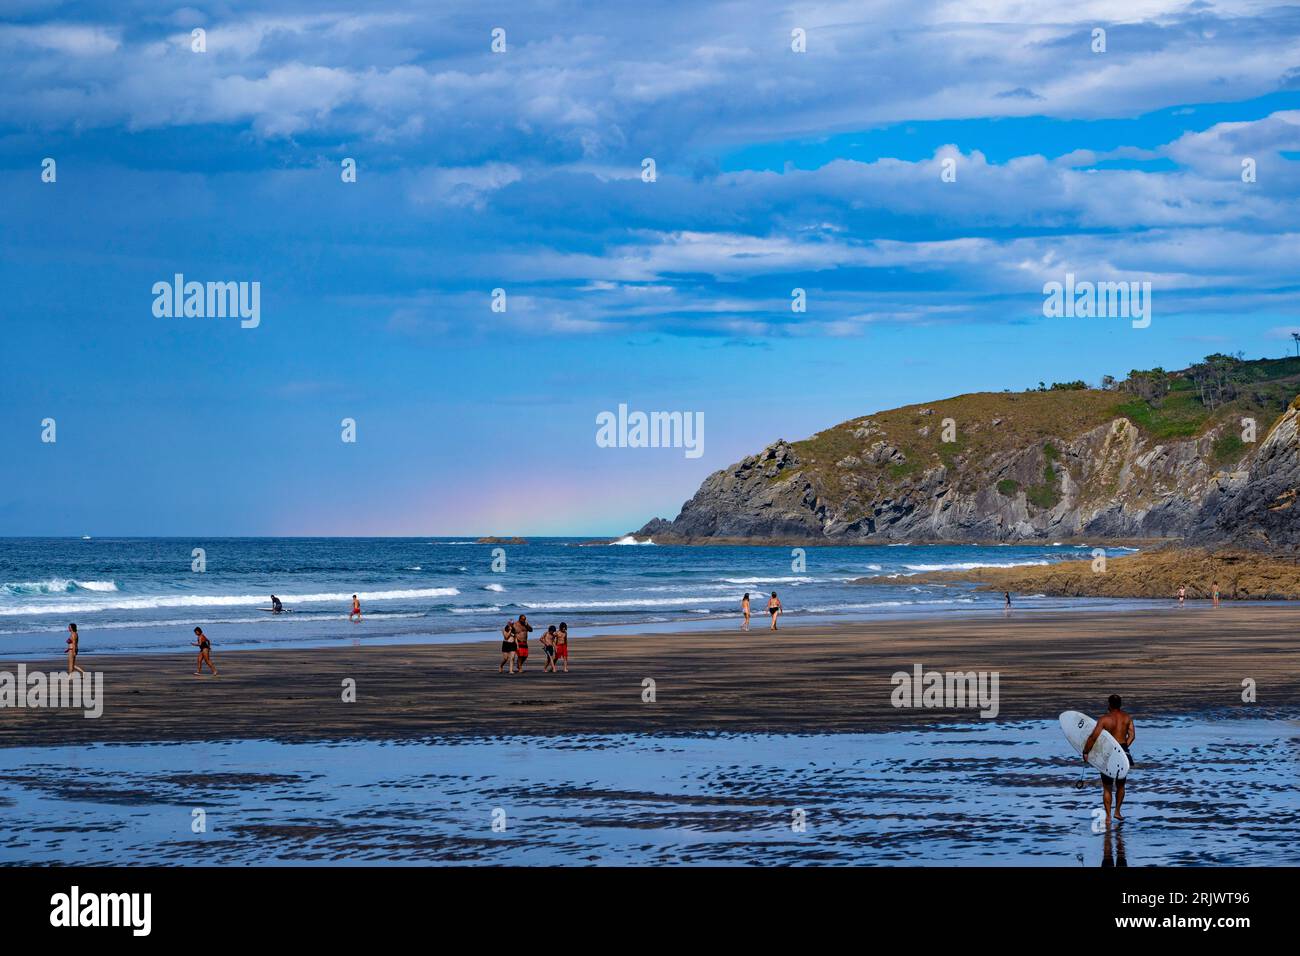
(140, 595)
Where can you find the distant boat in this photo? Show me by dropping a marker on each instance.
(85, 537)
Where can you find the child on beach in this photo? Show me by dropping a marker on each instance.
(1215, 588)
(508, 648)
(205, 653)
(355, 616)
(744, 609)
(74, 643)
(548, 647)
(774, 608)
(562, 645)
(521, 629)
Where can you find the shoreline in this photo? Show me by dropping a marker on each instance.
(816, 679)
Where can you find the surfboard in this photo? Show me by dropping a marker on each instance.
(1106, 755)
(272, 610)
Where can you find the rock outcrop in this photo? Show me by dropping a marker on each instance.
(1005, 467)
(1258, 508)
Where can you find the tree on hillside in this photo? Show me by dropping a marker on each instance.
(1150, 386)
(1216, 378)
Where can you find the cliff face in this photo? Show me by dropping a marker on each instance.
(1004, 467)
(1259, 507)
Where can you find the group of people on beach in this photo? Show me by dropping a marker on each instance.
(514, 646)
(773, 609)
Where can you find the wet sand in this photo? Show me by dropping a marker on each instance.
(808, 679)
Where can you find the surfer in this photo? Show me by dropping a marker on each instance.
(744, 609)
(355, 616)
(774, 608)
(74, 643)
(1120, 726)
(562, 645)
(508, 648)
(276, 606)
(205, 653)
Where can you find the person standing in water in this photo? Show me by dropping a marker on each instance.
(74, 644)
(774, 608)
(205, 653)
(744, 609)
(562, 645)
(508, 648)
(355, 616)
(1182, 595)
(1215, 592)
(1120, 726)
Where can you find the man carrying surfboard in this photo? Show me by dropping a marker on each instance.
(1120, 726)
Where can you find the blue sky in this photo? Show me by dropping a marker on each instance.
(522, 170)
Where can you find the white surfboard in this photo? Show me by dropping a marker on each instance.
(1106, 754)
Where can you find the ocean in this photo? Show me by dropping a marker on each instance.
(141, 595)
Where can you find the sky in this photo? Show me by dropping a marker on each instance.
(524, 169)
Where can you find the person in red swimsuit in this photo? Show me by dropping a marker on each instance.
(562, 645)
(522, 627)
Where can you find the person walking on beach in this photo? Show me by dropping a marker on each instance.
(1120, 726)
(521, 628)
(1182, 595)
(74, 643)
(744, 609)
(205, 653)
(1006, 600)
(562, 645)
(508, 648)
(774, 608)
(1215, 591)
(355, 616)
(548, 648)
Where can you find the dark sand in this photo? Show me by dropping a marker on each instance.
(810, 679)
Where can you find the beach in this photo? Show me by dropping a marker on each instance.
(816, 678)
(757, 749)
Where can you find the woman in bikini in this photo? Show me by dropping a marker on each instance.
(548, 647)
(562, 645)
(774, 608)
(205, 653)
(522, 627)
(508, 648)
(744, 609)
(74, 642)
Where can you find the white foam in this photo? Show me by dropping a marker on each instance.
(493, 587)
(221, 600)
(628, 539)
(971, 565)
